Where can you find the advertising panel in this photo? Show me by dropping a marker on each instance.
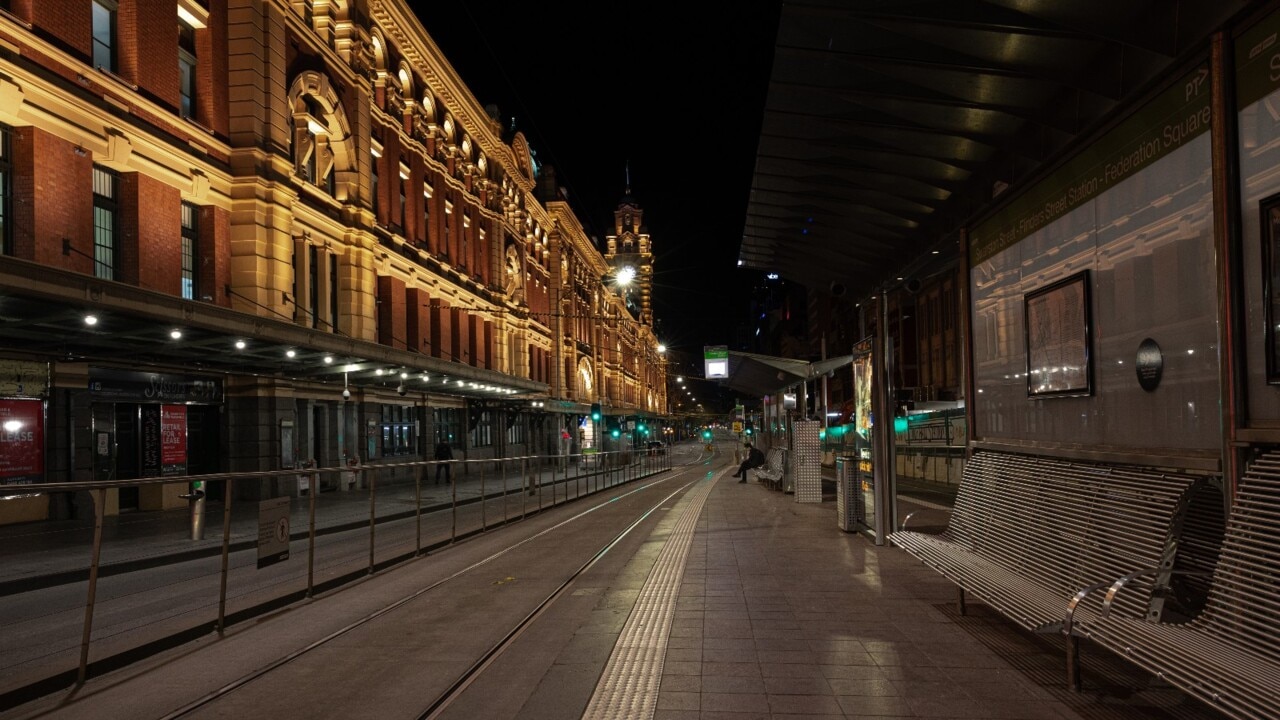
(173, 439)
(21, 442)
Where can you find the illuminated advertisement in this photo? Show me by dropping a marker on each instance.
(21, 442)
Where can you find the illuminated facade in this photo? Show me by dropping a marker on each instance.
(306, 193)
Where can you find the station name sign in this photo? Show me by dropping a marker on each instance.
(1169, 121)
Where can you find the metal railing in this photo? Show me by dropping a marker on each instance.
(149, 559)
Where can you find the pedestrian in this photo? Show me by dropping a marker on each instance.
(755, 459)
(443, 453)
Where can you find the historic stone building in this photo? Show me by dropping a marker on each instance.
(287, 229)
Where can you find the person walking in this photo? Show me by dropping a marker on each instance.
(444, 452)
(755, 459)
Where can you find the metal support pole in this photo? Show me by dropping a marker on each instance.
(484, 503)
(417, 511)
(502, 471)
(453, 489)
(100, 500)
(524, 495)
(373, 495)
(226, 555)
(312, 491)
(1073, 663)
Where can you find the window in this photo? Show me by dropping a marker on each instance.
(190, 251)
(104, 222)
(376, 152)
(399, 431)
(6, 193)
(515, 432)
(426, 212)
(333, 293)
(446, 426)
(186, 69)
(104, 34)
(482, 434)
(464, 253)
(404, 201)
(313, 292)
(448, 220)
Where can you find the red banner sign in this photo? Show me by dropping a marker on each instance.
(21, 441)
(173, 439)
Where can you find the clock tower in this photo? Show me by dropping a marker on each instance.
(630, 256)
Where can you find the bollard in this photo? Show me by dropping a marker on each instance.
(195, 498)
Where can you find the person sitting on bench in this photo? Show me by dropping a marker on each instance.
(755, 459)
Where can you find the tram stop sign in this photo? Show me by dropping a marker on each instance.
(737, 427)
(715, 361)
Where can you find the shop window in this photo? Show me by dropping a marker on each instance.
(104, 34)
(447, 422)
(190, 251)
(399, 431)
(482, 433)
(516, 433)
(105, 212)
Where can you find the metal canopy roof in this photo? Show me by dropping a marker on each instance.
(761, 375)
(42, 312)
(888, 123)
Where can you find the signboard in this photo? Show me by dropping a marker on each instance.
(1168, 122)
(24, 379)
(149, 416)
(149, 387)
(1057, 334)
(739, 412)
(21, 442)
(173, 439)
(273, 531)
(716, 361)
(737, 427)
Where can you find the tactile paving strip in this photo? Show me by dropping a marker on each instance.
(628, 687)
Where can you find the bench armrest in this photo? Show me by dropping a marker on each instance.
(907, 519)
(1074, 603)
(1119, 583)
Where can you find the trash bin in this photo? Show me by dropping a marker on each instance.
(848, 494)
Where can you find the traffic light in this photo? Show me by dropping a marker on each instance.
(615, 432)
(706, 434)
(748, 431)
(595, 412)
(642, 428)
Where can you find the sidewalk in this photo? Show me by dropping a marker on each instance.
(49, 553)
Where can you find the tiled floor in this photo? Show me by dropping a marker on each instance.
(781, 615)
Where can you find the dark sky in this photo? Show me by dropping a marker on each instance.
(675, 89)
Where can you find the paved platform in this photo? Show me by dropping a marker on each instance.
(777, 614)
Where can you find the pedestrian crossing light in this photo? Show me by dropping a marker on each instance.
(595, 412)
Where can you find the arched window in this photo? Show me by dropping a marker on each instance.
(322, 146)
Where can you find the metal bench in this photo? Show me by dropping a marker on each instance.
(772, 473)
(1027, 534)
(1229, 655)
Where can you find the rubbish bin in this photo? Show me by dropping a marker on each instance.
(848, 494)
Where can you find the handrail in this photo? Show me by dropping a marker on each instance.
(47, 487)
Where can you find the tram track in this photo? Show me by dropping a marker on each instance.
(441, 701)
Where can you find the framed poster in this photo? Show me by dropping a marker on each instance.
(1057, 321)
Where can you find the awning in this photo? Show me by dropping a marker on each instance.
(43, 310)
(761, 375)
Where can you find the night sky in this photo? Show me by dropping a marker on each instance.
(674, 89)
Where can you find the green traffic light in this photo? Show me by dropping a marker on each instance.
(615, 432)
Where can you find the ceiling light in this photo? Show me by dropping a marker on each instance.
(239, 344)
(290, 353)
(378, 371)
(328, 359)
(404, 376)
(175, 334)
(90, 320)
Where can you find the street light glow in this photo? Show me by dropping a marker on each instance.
(626, 275)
